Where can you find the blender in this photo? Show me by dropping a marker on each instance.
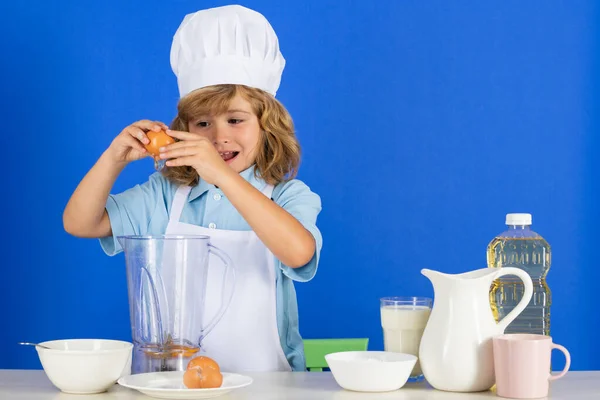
(166, 282)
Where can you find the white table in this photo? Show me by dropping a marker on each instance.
(34, 385)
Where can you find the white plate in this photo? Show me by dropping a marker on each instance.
(169, 385)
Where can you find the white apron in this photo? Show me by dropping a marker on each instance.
(246, 338)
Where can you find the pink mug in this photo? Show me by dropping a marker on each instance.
(522, 365)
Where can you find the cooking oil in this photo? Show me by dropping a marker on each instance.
(521, 247)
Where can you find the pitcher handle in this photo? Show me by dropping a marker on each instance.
(524, 276)
(229, 268)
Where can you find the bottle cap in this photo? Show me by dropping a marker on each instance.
(518, 219)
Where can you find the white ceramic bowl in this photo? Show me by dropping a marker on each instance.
(371, 371)
(83, 366)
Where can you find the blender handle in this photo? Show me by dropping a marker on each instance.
(229, 267)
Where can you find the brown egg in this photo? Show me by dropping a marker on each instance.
(192, 379)
(157, 140)
(202, 372)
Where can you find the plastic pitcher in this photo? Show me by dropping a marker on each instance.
(166, 282)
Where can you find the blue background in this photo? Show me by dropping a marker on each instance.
(422, 125)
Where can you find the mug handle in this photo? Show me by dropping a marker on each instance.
(567, 364)
(229, 268)
(524, 276)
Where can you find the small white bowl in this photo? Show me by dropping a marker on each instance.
(84, 366)
(371, 371)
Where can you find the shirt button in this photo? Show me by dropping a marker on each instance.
(212, 225)
(217, 196)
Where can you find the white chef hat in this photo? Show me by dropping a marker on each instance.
(230, 44)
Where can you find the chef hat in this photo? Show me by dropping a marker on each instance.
(226, 45)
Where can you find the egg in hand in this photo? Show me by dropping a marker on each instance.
(157, 140)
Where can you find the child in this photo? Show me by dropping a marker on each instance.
(230, 175)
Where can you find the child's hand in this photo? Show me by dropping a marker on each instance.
(129, 144)
(197, 152)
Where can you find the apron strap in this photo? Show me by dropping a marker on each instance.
(179, 200)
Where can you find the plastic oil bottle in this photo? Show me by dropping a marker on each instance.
(521, 247)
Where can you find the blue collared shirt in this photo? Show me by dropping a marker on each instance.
(144, 210)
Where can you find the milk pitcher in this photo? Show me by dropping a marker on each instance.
(166, 282)
(456, 351)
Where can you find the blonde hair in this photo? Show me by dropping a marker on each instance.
(278, 156)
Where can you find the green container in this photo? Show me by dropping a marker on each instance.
(315, 350)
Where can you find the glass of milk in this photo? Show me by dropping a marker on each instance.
(403, 320)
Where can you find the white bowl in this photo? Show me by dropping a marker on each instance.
(83, 366)
(371, 371)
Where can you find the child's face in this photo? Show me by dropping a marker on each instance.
(235, 133)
